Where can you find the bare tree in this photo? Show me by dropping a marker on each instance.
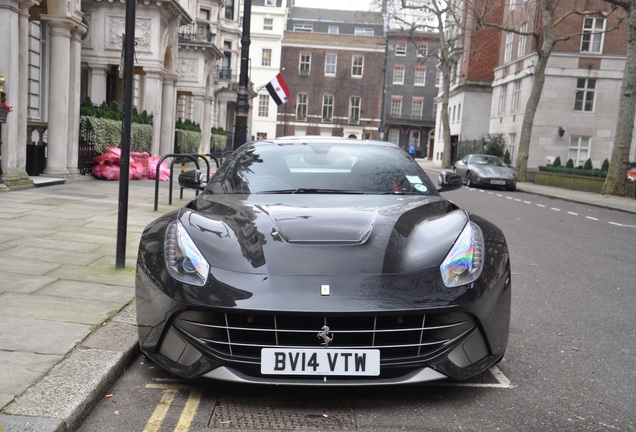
(619, 162)
(550, 29)
(445, 18)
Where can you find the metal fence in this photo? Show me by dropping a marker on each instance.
(86, 149)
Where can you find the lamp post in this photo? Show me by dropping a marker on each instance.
(242, 100)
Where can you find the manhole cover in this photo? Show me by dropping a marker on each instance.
(281, 412)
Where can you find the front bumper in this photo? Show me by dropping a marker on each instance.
(416, 345)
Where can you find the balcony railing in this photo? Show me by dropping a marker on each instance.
(224, 73)
(196, 33)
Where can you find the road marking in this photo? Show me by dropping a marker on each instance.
(502, 381)
(591, 218)
(190, 410)
(187, 414)
(159, 415)
(555, 209)
(622, 225)
(572, 213)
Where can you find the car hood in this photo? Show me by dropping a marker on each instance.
(323, 234)
(493, 171)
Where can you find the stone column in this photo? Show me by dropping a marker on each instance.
(59, 90)
(166, 144)
(198, 114)
(75, 61)
(98, 83)
(9, 61)
(206, 124)
(151, 98)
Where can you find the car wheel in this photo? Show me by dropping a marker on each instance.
(469, 181)
(512, 188)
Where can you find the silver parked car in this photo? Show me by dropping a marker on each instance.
(486, 170)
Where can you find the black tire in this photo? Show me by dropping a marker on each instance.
(469, 182)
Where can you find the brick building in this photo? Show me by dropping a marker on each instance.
(410, 90)
(333, 64)
(577, 112)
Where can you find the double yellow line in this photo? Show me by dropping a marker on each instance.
(169, 393)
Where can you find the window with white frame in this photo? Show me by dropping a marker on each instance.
(361, 31)
(419, 78)
(459, 112)
(357, 65)
(516, 96)
(512, 146)
(422, 50)
(263, 105)
(417, 108)
(304, 28)
(304, 64)
(302, 101)
(503, 96)
(229, 9)
(327, 107)
(400, 49)
(266, 57)
(268, 24)
(398, 74)
(593, 33)
(394, 136)
(270, 2)
(204, 14)
(355, 102)
(508, 47)
(579, 150)
(414, 138)
(521, 43)
(333, 29)
(396, 107)
(331, 61)
(585, 91)
(513, 5)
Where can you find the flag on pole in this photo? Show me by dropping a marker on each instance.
(278, 90)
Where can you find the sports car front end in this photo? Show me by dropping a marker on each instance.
(323, 289)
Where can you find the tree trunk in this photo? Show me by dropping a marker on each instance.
(446, 155)
(617, 173)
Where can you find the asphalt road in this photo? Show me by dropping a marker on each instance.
(570, 364)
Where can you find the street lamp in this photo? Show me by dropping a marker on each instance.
(242, 100)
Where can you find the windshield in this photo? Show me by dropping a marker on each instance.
(487, 160)
(320, 167)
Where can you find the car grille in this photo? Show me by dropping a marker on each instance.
(401, 338)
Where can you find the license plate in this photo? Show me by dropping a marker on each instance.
(497, 182)
(323, 361)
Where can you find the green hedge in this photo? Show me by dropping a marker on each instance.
(188, 141)
(577, 182)
(107, 133)
(219, 143)
(574, 171)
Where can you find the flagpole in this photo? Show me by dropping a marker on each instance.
(242, 100)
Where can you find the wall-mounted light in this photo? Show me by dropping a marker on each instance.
(561, 132)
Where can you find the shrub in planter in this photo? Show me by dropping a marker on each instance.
(588, 165)
(605, 166)
(569, 164)
(557, 162)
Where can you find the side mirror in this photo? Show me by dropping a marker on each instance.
(448, 181)
(192, 179)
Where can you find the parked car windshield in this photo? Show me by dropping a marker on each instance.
(487, 160)
(320, 167)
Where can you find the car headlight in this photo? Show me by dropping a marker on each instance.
(465, 261)
(184, 261)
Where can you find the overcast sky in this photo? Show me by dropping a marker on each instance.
(362, 5)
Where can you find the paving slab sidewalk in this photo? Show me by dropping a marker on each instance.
(67, 319)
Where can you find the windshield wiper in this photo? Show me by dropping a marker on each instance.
(311, 191)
